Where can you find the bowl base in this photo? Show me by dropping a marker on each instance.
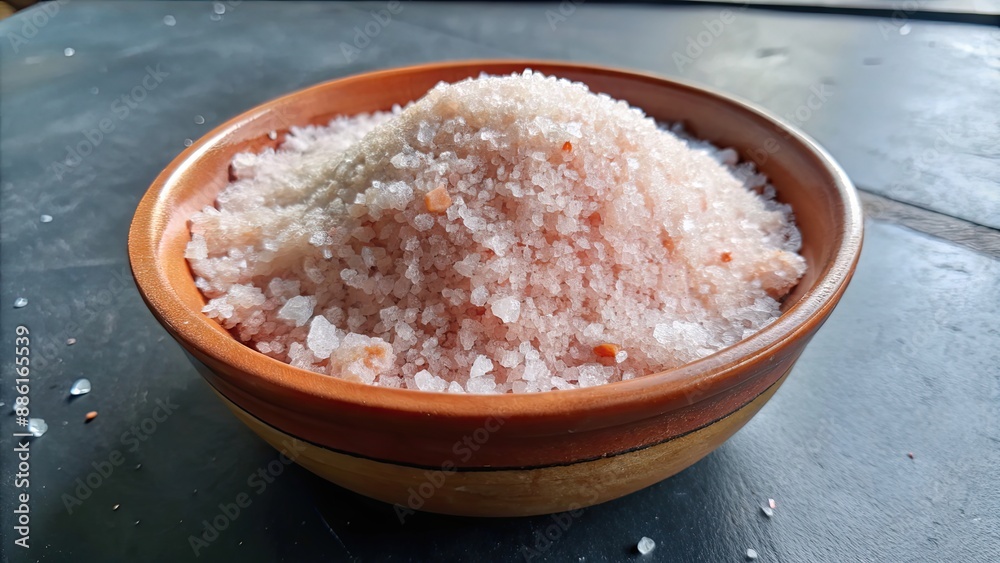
(507, 492)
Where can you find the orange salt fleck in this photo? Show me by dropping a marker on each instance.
(727, 257)
(567, 146)
(606, 350)
(437, 200)
(372, 354)
(90, 416)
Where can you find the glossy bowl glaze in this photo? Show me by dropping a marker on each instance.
(510, 454)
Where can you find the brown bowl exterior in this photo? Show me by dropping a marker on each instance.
(508, 454)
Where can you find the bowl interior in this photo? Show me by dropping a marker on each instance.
(825, 206)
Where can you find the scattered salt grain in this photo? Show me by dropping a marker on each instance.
(188, 142)
(69, 51)
(45, 219)
(751, 554)
(90, 416)
(20, 302)
(646, 545)
(771, 504)
(37, 427)
(199, 120)
(80, 387)
(219, 8)
(169, 21)
(768, 511)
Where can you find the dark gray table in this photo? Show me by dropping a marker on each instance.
(907, 364)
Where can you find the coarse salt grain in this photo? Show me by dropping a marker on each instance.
(646, 545)
(465, 238)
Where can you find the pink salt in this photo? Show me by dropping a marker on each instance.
(488, 237)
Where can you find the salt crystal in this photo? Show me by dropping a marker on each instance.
(45, 219)
(197, 248)
(481, 367)
(535, 369)
(405, 161)
(361, 358)
(69, 51)
(80, 387)
(169, 21)
(37, 427)
(768, 511)
(479, 296)
(481, 385)
(646, 545)
(20, 302)
(219, 8)
(591, 375)
(298, 309)
(662, 333)
(423, 222)
(322, 338)
(751, 554)
(507, 309)
(426, 381)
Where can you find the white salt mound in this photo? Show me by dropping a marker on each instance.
(502, 234)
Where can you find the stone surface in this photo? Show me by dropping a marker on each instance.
(907, 363)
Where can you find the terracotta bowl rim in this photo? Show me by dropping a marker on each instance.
(705, 377)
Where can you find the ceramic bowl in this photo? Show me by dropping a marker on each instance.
(501, 455)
